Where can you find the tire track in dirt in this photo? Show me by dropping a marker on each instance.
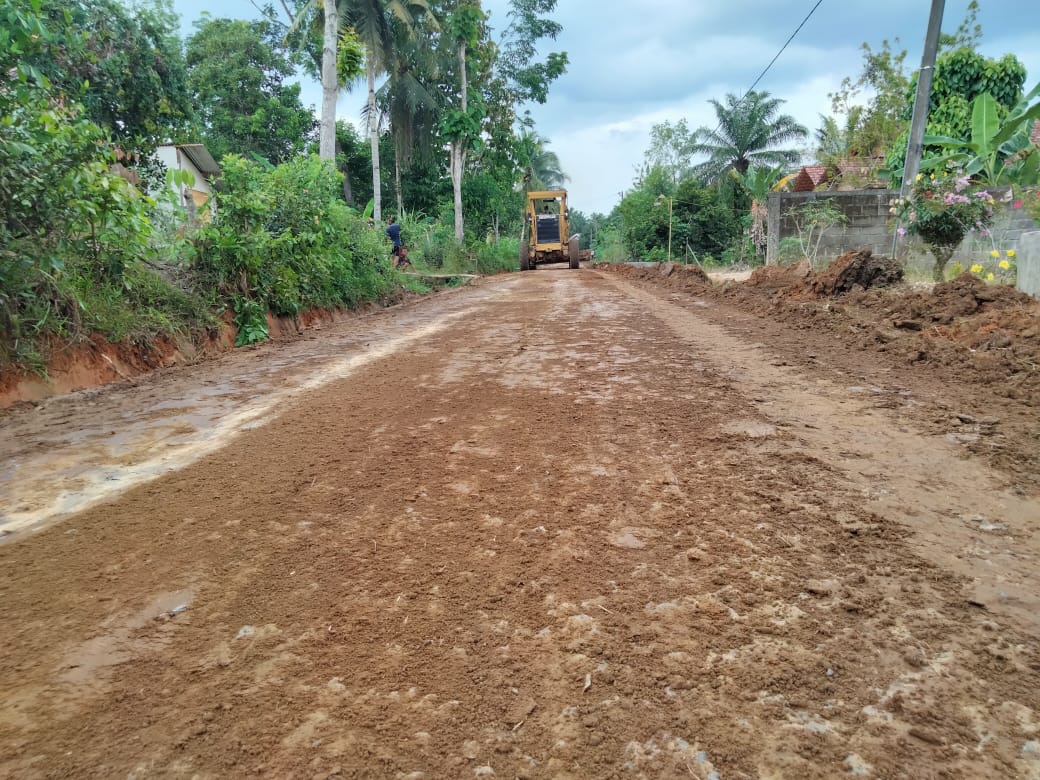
(963, 517)
(554, 540)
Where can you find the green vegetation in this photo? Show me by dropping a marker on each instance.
(94, 236)
(716, 181)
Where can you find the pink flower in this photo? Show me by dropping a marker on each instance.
(1018, 204)
(901, 231)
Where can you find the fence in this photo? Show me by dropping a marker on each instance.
(868, 223)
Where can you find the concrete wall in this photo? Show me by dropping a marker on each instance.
(869, 223)
(866, 221)
(1029, 263)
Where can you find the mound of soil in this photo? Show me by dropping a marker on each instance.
(858, 270)
(961, 297)
(671, 275)
(780, 277)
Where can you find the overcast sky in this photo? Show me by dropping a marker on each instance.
(634, 64)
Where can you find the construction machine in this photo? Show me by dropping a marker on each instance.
(547, 225)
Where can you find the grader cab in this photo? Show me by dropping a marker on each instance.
(547, 231)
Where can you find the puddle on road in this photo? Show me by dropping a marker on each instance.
(751, 428)
(88, 662)
(76, 451)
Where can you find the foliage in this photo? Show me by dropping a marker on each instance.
(541, 166)
(999, 151)
(812, 220)
(251, 322)
(284, 238)
(528, 78)
(873, 129)
(961, 76)
(702, 220)
(123, 66)
(71, 231)
(758, 183)
(671, 149)
(747, 133)
(941, 210)
(237, 73)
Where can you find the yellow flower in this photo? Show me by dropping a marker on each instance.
(976, 269)
(1011, 253)
(919, 177)
(1004, 265)
(989, 277)
(994, 253)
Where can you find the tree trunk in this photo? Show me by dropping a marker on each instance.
(329, 84)
(458, 150)
(348, 191)
(397, 182)
(942, 255)
(373, 137)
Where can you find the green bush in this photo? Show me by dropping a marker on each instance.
(283, 237)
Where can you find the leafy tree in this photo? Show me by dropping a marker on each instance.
(529, 79)
(237, 72)
(961, 76)
(132, 61)
(671, 149)
(873, 129)
(747, 135)
(702, 219)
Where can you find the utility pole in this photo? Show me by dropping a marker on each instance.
(924, 90)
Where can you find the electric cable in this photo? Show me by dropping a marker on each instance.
(761, 75)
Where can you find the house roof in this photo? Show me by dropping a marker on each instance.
(200, 158)
(809, 178)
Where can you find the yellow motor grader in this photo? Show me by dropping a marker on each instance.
(547, 229)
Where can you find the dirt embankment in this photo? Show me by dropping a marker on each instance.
(970, 349)
(96, 361)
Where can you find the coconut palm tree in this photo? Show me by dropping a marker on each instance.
(542, 169)
(372, 20)
(411, 106)
(746, 136)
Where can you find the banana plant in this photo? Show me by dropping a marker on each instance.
(999, 152)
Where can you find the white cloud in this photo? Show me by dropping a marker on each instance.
(635, 64)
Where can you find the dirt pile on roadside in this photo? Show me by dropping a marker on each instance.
(780, 277)
(671, 275)
(856, 270)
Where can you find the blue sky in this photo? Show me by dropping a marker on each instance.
(636, 64)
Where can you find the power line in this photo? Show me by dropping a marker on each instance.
(782, 48)
(761, 75)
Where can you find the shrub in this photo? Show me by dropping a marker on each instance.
(941, 210)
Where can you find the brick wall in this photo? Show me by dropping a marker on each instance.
(868, 223)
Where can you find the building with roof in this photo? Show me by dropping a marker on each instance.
(196, 160)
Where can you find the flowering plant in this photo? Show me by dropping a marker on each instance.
(941, 210)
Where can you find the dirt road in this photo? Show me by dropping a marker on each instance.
(555, 525)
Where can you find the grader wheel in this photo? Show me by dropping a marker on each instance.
(573, 253)
(525, 257)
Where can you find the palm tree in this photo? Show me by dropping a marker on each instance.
(372, 21)
(747, 133)
(542, 169)
(329, 82)
(411, 107)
